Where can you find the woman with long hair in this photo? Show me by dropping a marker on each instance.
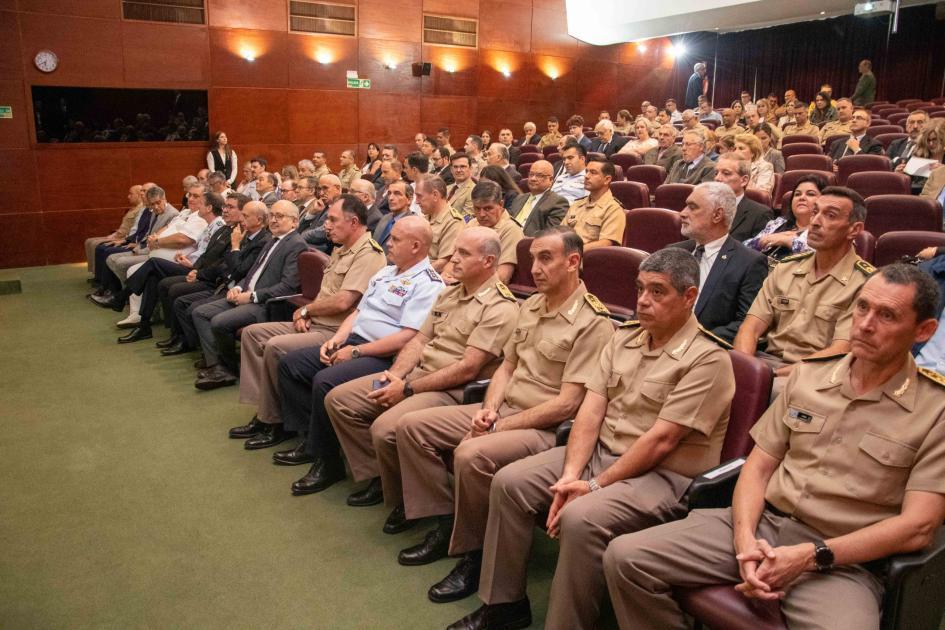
(823, 112)
(497, 174)
(787, 234)
(761, 176)
(372, 166)
(221, 157)
(765, 133)
(643, 142)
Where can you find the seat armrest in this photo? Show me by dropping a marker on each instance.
(475, 391)
(914, 586)
(282, 298)
(714, 487)
(563, 432)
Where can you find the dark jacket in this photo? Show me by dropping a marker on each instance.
(670, 156)
(236, 263)
(750, 218)
(548, 212)
(280, 274)
(615, 144)
(868, 145)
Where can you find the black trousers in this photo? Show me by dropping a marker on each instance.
(173, 287)
(145, 280)
(304, 381)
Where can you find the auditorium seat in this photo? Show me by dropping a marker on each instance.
(651, 229)
(672, 196)
(759, 196)
(789, 180)
(794, 138)
(919, 105)
(859, 163)
(618, 174)
(880, 183)
(937, 115)
(865, 245)
(938, 100)
(650, 174)
(625, 160)
(907, 101)
(528, 158)
(529, 148)
(549, 150)
(801, 148)
(888, 213)
(933, 109)
(889, 138)
(631, 194)
(898, 119)
(875, 130)
(521, 283)
(876, 119)
(524, 170)
(808, 162)
(554, 158)
(892, 246)
(829, 140)
(312, 265)
(610, 273)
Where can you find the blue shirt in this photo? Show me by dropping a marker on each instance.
(932, 355)
(571, 187)
(395, 301)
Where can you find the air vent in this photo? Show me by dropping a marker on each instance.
(322, 18)
(442, 30)
(174, 11)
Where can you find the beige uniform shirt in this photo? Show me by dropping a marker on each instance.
(792, 129)
(722, 131)
(834, 128)
(689, 381)
(805, 314)
(549, 140)
(445, 226)
(460, 197)
(597, 220)
(321, 171)
(847, 460)
(348, 175)
(127, 223)
(551, 348)
(350, 269)
(510, 233)
(458, 319)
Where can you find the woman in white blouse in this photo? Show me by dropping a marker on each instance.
(221, 157)
(761, 175)
(643, 141)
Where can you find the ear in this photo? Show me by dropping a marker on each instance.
(925, 330)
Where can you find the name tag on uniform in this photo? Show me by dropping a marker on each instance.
(797, 414)
(783, 300)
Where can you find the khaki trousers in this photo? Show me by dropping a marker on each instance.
(423, 438)
(520, 493)
(90, 245)
(642, 568)
(261, 347)
(368, 432)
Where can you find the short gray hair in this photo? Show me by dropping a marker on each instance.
(487, 190)
(742, 167)
(306, 164)
(678, 264)
(699, 66)
(720, 196)
(695, 134)
(501, 150)
(189, 181)
(154, 193)
(368, 188)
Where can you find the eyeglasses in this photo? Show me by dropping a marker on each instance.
(277, 216)
(287, 189)
(538, 176)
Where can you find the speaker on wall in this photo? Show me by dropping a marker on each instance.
(421, 69)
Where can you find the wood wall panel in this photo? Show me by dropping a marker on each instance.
(11, 61)
(250, 116)
(86, 48)
(455, 71)
(21, 240)
(250, 14)
(505, 25)
(384, 20)
(166, 164)
(18, 182)
(466, 8)
(550, 33)
(373, 57)
(82, 178)
(230, 68)
(493, 83)
(14, 132)
(322, 116)
(184, 53)
(392, 118)
(64, 233)
(340, 54)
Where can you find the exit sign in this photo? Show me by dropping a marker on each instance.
(359, 84)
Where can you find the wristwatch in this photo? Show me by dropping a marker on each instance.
(408, 390)
(355, 353)
(593, 485)
(304, 312)
(823, 556)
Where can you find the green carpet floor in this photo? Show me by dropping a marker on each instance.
(124, 505)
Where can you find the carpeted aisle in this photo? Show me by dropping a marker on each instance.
(123, 504)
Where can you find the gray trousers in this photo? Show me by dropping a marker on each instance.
(121, 262)
(217, 322)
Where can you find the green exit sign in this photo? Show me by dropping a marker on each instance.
(6, 111)
(359, 84)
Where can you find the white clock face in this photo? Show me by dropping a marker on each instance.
(46, 61)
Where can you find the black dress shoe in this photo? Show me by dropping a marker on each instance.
(215, 378)
(371, 494)
(254, 427)
(322, 474)
(178, 348)
(173, 340)
(107, 301)
(397, 521)
(497, 616)
(461, 582)
(271, 435)
(294, 456)
(138, 334)
(201, 364)
(435, 545)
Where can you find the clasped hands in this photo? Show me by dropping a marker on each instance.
(390, 393)
(767, 571)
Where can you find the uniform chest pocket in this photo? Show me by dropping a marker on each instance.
(395, 298)
(656, 391)
(827, 312)
(887, 452)
(801, 420)
(340, 266)
(879, 471)
(553, 352)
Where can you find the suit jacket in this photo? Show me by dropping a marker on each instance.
(380, 200)
(378, 232)
(535, 139)
(670, 157)
(238, 263)
(462, 199)
(733, 282)
(750, 218)
(615, 144)
(867, 145)
(934, 184)
(513, 173)
(703, 172)
(586, 142)
(514, 154)
(548, 212)
(897, 149)
(445, 173)
(269, 198)
(280, 274)
(216, 249)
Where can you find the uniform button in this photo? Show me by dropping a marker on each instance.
(885, 457)
(837, 440)
(806, 495)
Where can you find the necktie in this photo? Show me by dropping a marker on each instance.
(689, 166)
(700, 251)
(526, 210)
(452, 192)
(249, 282)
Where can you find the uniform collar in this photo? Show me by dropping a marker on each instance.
(901, 388)
(358, 244)
(676, 347)
(568, 309)
(440, 217)
(418, 268)
(841, 272)
(603, 200)
(480, 293)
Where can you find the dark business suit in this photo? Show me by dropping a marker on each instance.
(535, 139)
(446, 174)
(217, 321)
(381, 232)
(868, 145)
(513, 173)
(701, 173)
(750, 218)
(608, 148)
(586, 142)
(514, 154)
(666, 159)
(900, 151)
(548, 212)
(313, 232)
(730, 288)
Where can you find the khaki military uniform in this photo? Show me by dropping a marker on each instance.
(688, 381)
(846, 462)
(348, 175)
(262, 345)
(805, 314)
(321, 171)
(597, 220)
(459, 197)
(127, 224)
(834, 128)
(445, 226)
(547, 348)
(549, 140)
(793, 129)
(483, 319)
(721, 131)
(510, 233)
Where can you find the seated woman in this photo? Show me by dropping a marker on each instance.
(787, 234)
(725, 144)
(765, 133)
(765, 113)
(643, 142)
(739, 112)
(748, 147)
(371, 170)
(930, 145)
(501, 177)
(623, 123)
(823, 111)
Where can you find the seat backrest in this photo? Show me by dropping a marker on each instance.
(801, 148)
(553, 157)
(626, 160)
(793, 138)
(869, 183)
(859, 163)
(891, 213)
(650, 174)
(752, 393)
(892, 246)
(865, 246)
(312, 265)
(759, 196)
(789, 179)
(889, 138)
(618, 173)
(918, 105)
(874, 129)
(673, 196)
(528, 158)
(907, 101)
(809, 162)
(530, 148)
(631, 194)
(651, 229)
(829, 140)
(525, 169)
(521, 283)
(610, 273)
(548, 150)
(897, 119)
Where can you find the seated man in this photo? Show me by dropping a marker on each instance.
(750, 216)
(598, 218)
(459, 192)
(801, 124)
(445, 221)
(840, 126)
(461, 340)
(329, 190)
(559, 336)
(275, 274)
(551, 138)
(569, 181)
(654, 416)
(693, 167)
(858, 142)
(847, 469)
(399, 199)
(540, 208)
(497, 154)
(730, 274)
(136, 200)
(805, 306)
(395, 304)
(666, 152)
(266, 184)
(607, 142)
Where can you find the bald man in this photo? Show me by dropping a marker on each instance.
(540, 208)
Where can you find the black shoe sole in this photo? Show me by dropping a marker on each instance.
(259, 447)
(452, 597)
(211, 385)
(292, 462)
(357, 503)
(301, 492)
(414, 562)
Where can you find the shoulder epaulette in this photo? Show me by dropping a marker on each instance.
(865, 267)
(596, 305)
(630, 323)
(932, 375)
(457, 214)
(433, 274)
(800, 256)
(829, 357)
(376, 246)
(504, 291)
(711, 335)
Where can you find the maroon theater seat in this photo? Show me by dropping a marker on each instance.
(631, 194)
(801, 148)
(891, 213)
(892, 246)
(652, 175)
(673, 196)
(610, 273)
(808, 162)
(651, 229)
(850, 164)
(880, 183)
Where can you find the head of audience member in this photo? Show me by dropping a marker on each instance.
(708, 213)
(667, 287)
(763, 107)
(399, 196)
(501, 177)
(430, 192)
(733, 171)
(289, 172)
(605, 130)
(670, 105)
(391, 171)
(189, 182)
(772, 101)
(895, 309)
(473, 146)
(389, 152)
(738, 108)
(642, 129)
(837, 219)
(319, 160)
(306, 168)
(822, 100)
(418, 140)
(574, 157)
(486, 136)
(156, 199)
(443, 137)
(459, 165)
(428, 148)
(651, 113)
(552, 124)
(800, 205)
(745, 97)
(213, 206)
(283, 217)
(699, 69)
(259, 165)
(475, 256)
(346, 220)
(220, 142)
(753, 116)
(604, 115)
(801, 113)
(197, 202)
(666, 136)
(556, 260)
(409, 242)
(217, 182)
(248, 173)
(931, 142)
(346, 159)
(373, 152)
(597, 177)
(136, 195)
(764, 133)
(693, 145)
(497, 155)
(233, 208)
(505, 137)
(859, 122)
(624, 118)
(663, 117)
(441, 158)
(915, 123)
(202, 175)
(728, 117)
(417, 166)
(705, 108)
(564, 141)
(789, 96)
(255, 216)
(487, 201)
(844, 109)
(827, 89)
(329, 189)
(689, 119)
(306, 189)
(865, 66)
(265, 183)
(539, 177)
(529, 129)
(748, 147)
(364, 190)
(576, 126)
(725, 144)
(288, 189)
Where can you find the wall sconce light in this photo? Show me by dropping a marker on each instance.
(641, 47)
(323, 57)
(248, 55)
(449, 65)
(505, 72)
(677, 50)
(390, 64)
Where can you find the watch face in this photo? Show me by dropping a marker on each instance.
(46, 61)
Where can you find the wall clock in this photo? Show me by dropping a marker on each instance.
(46, 61)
